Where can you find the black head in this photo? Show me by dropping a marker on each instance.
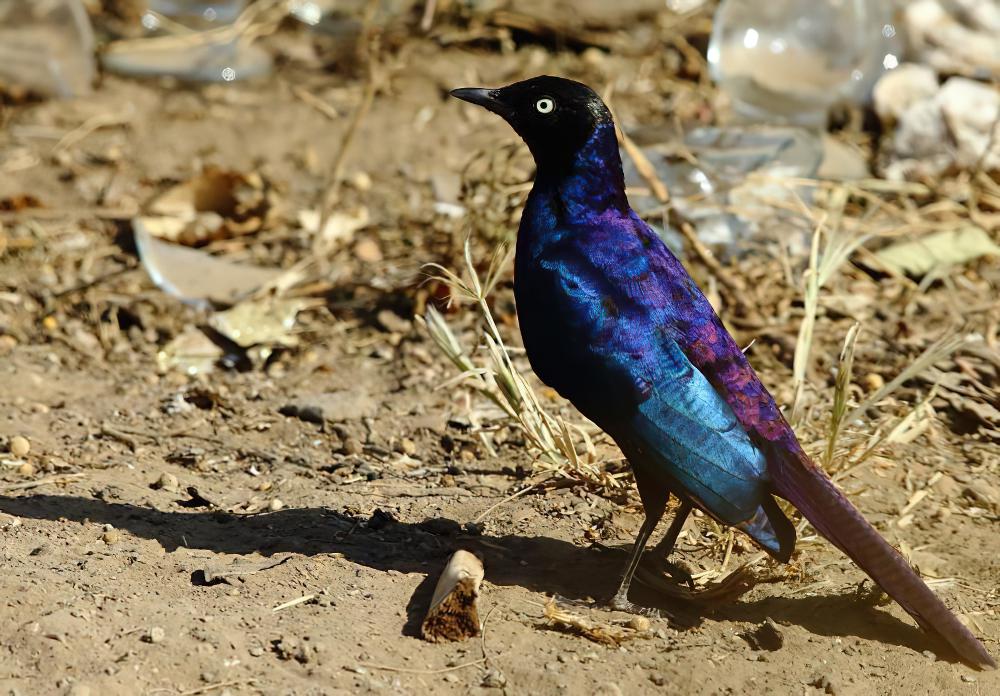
(553, 115)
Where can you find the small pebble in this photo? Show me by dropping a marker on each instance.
(26, 469)
(368, 250)
(968, 678)
(408, 446)
(155, 635)
(874, 381)
(361, 181)
(639, 623)
(19, 446)
(352, 446)
(112, 536)
(276, 504)
(167, 482)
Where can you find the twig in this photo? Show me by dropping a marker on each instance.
(217, 685)
(406, 670)
(645, 168)
(121, 436)
(294, 602)
(735, 287)
(57, 478)
(427, 20)
(92, 124)
(483, 515)
(324, 107)
(368, 96)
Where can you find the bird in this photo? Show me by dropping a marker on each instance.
(611, 320)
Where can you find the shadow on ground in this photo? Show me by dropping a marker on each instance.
(540, 564)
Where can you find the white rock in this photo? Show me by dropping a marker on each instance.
(899, 89)
(954, 39)
(951, 128)
(970, 111)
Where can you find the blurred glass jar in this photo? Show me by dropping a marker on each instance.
(47, 47)
(789, 61)
(199, 14)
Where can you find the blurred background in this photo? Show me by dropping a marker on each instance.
(254, 264)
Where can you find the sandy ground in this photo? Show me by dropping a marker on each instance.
(140, 486)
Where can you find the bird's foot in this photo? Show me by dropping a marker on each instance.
(621, 602)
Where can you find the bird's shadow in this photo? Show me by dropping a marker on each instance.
(537, 563)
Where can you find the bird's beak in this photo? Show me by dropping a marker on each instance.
(486, 98)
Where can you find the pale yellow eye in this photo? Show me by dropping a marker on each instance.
(545, 105)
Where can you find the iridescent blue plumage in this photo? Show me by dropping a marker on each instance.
(612, 321)
(617, 355)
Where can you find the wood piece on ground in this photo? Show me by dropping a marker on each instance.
(454, 614)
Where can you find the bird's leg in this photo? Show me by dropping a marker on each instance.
(663, 550)
(620, 601)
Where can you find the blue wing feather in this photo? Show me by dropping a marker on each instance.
(691, 436)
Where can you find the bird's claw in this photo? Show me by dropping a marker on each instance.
(622, 603)
(617, 603)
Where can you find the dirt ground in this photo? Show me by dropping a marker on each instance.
(157, 534)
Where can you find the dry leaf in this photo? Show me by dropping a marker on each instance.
(937, 250)
(265, 321)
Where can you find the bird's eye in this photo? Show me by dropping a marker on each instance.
(545, 105)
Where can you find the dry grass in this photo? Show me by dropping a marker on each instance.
(553, 440)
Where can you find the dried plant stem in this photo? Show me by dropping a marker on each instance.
(937, 351)
(841, 393)
(502, 383)
(822, 266)
(370, 52)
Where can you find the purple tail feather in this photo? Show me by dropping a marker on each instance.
(809, 489)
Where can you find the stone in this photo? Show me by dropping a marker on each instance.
(19, 446)
(897, 90)
(368, 250)
(767, 636)
(639, 623)
(167, 482)
(335, 407)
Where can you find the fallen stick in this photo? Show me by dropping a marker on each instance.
(453, 614)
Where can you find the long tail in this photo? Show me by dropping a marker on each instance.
(809, 489)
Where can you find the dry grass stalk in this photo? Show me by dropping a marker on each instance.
(936, 352)
(841, 393)
(605, 634)
(822, 266)
(454, 612)
(709, 593)
(370, 56)
(500, 381)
